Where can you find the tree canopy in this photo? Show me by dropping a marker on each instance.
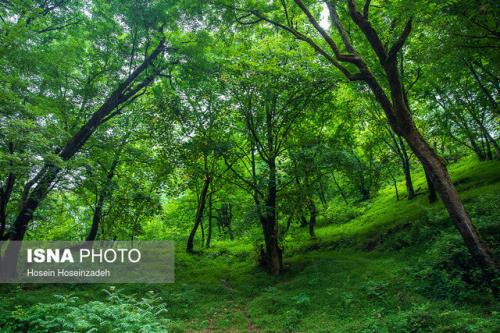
(240, 120)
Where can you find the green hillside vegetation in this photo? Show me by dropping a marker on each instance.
(398, 267)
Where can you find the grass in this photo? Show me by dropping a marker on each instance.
(386, 270)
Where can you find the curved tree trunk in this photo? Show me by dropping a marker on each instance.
(199, 213)
(402, 122)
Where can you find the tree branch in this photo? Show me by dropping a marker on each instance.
(400, 42)
(368, 30)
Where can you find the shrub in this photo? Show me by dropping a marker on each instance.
(118, 313)
(447, 271)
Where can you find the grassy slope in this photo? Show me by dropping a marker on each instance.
(352, 279)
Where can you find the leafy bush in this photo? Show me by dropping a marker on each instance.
(118, 313)
(448, 271)
(375, 290)
(486, 216)
(424, 318)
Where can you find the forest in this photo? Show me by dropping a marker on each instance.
(322, 166)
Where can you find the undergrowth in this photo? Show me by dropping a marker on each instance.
(389, 266)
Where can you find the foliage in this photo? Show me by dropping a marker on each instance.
(258, 127)
(117, 313)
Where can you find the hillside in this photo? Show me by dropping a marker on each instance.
(397, 267)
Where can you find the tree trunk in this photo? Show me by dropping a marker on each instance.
(431, 190)
(199, 213)
(5, 193)
(303, 220)
(488, 148)
(342, 194)
(409, 184)
(402, 123)
(202, 226)
(273, 258)
(399, 148)
(493, 142)
(96, 219)
(394, 182)
(209, 236)
(312, 219)
(470, 135)
(321, 195)
(481, 156)
(407, 171)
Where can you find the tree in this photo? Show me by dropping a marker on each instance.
(388, 89)
(132, 82)
(270, 101)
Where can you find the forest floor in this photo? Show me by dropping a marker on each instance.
(397, 267)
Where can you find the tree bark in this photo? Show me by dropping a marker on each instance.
(342, 194)
(480, 154)
(493, 142)
(312, 218)
(202, 227)
(5, 193)
(431, 190)
(210, 216)
(407, 170)
(273, 259)
(97, 217)
(395, 183)
(486, 142)
(199, 213)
